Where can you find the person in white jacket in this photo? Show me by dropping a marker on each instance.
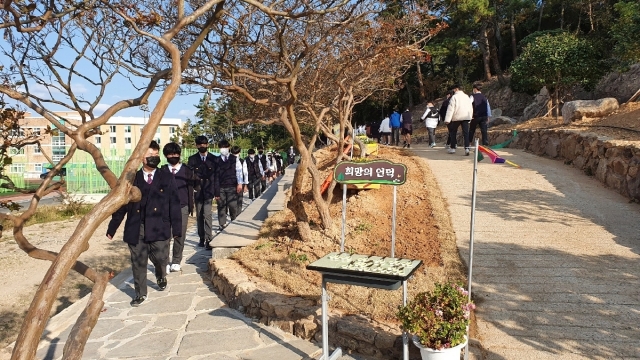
(459, 112)
(430, 117)
(385, 131)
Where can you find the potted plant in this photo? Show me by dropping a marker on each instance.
(438, 321)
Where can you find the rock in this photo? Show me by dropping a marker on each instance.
(500, 120)
(538, 107)
(576, 110)
(496, 113)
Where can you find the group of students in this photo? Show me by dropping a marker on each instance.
(171, 192)
(393, 126)
(459, 110)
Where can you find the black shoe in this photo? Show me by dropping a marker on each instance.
(138, 300)
(408, 146)
(208, 246)
(162, 283)
(201, 243)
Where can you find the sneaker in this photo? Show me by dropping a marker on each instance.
(408, 146)
(466, 152)
(175, 268)
(201, 243)
(168, 269)
(432, 145)
(138, 300)
(162, 283)
(451, 151)
(447, 146)
(208, 246)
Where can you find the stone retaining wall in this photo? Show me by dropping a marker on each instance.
(302, 316)
(615, 164)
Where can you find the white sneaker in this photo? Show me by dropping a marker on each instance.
(446, 146)
(466, 152)
(451, 151)
(175, 268)
(168, 268)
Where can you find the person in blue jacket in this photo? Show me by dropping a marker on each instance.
(395, 122)
(150, 222)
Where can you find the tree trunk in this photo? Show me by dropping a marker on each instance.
(408, 88)
(484, 47)
(493, 53)
(562, 16)
(593, 27)
(460, 69)
(499, 40)
(540, 17)
(514, 43)
(296, 199)
(422, 91)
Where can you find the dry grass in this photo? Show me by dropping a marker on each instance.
(423, 232)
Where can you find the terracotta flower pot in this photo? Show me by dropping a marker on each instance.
(443, 354)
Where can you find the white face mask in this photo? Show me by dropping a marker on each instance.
(252, 157)
(224, 152)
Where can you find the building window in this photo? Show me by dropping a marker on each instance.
(14, 151)
(37, 168)
(98, 140)
(127, 140)
(17, 168)
(36, 149)
(58, 146)
(36, 131)
(172, 130)
(112, 128)
(127, 129)
(113, 139)
(17, 132)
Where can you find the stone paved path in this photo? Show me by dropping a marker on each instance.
(556, 268)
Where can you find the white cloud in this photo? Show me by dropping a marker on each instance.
(40, 90)
(185, 112)
(101, 107)
(78, 88)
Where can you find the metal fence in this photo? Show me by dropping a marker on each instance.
(82, 176)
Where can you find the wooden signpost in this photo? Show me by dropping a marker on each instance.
(363, 270)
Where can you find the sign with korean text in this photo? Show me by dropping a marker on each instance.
(371, 172)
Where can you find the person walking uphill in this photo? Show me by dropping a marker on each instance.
(185, 180)
(245, 176)
(228, 181)
(459, 112)
(481, 114)
(150, 223)
(262, 157)
(407, 128)
(203, 164)
(395, 122)
(255, 174)
(430, 118)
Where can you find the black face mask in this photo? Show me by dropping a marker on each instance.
(173, 160)
(202, 150)
(153, 161)
(260, 152)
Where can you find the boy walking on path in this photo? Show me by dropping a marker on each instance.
(459, 112)
(395, 122)
(228, 180)
(203, 164)
(245, 176)
(255, 173)
(262, 157)
(407, 128)
(430, 118)
(481, 114)
(146, 230)
(184, 179)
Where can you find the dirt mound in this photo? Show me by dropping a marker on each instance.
(423, 232)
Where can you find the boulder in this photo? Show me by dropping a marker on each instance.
(576, 110)
(500, 120)
(538, 107)
(496, 112)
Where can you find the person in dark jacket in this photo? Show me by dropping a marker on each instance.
(407, 128)
(255, 174)
(481, 114)
(228, 181)
(185, 180)
(203, 164)
(150, 223)
(291, 155)
(262, 157)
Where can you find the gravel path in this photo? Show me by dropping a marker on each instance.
(556, 267)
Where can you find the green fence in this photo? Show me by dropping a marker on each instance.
(82, 176)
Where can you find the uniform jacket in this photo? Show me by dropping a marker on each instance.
(193, 184)
(162, 211)
(205, 172)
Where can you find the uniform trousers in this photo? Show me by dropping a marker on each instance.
(141, 253)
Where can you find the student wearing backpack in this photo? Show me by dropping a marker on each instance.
(431, 117)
